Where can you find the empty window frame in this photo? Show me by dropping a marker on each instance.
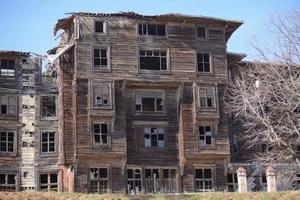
(154, 137)
(149, 101)
(203, 62)
(152, 181)
(169, 181)
(207, 97)
(205, 135)
(100, 58)
(48, 181)
(99, 26)
(8, 105)
(152, 29)
(153, 60)
(202, 32)
(204, 180)
(102, 94)
(7, 141)
(100, 134)
(48, 106)
(48, 142)
(8, 182)
(134, 181)
(7, 67)
(99, 180)
(232, 184)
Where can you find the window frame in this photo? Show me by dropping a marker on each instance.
(234, 182)
(15, 145)
(206, 135)
(41, 107)
(108, 178)
(211, 68)
(157, 137)
(8, 105)
(108, 57)
(17, 183)
(93, 96)
(49, 184)
(212, 179)
(147, 32)
(15, 70)
(149, 71)
(104, 33)
(215, 96)
(206, 38)
(55, 142)
(108, 135)
(158, 93)
(141, 179)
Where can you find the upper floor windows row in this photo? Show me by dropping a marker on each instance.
(7, 67)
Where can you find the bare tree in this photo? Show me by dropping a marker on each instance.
(265, 96)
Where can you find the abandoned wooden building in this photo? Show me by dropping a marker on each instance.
(131, 104)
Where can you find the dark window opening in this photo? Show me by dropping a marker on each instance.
(48, 142)
(100, 132)
(99, 27)
(8, 182)
(152, 29)
(49, 182)
(154, 137)
(99, 180)
(203, 62)
(207, 97)
(153, 60)
(48, 106)
(205, 135)
(134, 181)
(6, 141)
(149, 102)
(203, 180)
(201, 32)
(7, 67)
(232, 184)
(100, 58)
(8, 105)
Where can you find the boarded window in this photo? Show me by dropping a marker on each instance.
(153, 60)
(207, 97)
(203, 180)
(102, 94)
(8, 182)
(48, 142)
(48, 182)
(100, 134)
(48, 106)
(152, 29)
(205, 135)
(149, 101)
(154, 137)
(134, 181)
(100, 58)
(203, 61)
(6, 141)
(201, 32)
(7, 67)
(8, 105)
(232, 184)
(99, 27)
(99, 180)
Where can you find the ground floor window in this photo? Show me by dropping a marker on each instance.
(232, 183)
(49, 181)
(203, 180)
(99, 180)
(134, 181)
(169, 181)
(153, 184)
(8, 182)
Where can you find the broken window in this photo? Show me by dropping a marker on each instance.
(7, 67)
(153, 183)
(207, 97)
(149, 101)
(100, 58)
(201, 32)
(8, 105)
(48, 182)
(48, 106)
(205, 135)
(100, 134)
(154, 137)
(169, 181)
(203, 61)
(6, 141)
(8, 182)
(48, 142)
(152, 29)
(102, 94)
(232, 184)
(153, 60)
(99, 180)
(99, 27)
(203, 180)
(134, 181)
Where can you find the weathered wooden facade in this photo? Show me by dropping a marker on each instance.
(28, 124)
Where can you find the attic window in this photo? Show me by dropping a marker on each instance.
(152, 29)
(99, 27)
(201, 32)
(7, 68)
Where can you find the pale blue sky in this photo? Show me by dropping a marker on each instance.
(28, 25)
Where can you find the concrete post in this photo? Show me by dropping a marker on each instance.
(271, 179)
(242, 179)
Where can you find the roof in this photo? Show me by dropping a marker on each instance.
(18, 53)
(230, 25)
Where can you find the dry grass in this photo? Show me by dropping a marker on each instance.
(289, 195)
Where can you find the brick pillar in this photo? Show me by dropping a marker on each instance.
(271, 179)
(242, 179)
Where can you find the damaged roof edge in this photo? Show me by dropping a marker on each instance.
(18, 53)
(232, 24)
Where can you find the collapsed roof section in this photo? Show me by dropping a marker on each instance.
(16, 53)
(230, 25)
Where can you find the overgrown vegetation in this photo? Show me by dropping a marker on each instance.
(192, 196)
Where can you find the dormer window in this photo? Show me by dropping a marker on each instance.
(7, 67)
(152, 29)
